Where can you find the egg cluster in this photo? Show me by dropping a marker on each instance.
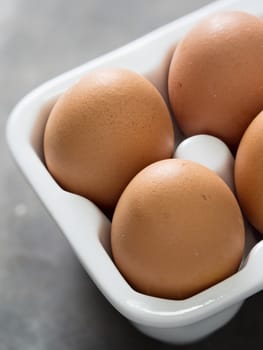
(177, 226)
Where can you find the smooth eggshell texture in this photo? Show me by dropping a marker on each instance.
(103, 131)
(249, 172)
(177, 229)
(216, 76)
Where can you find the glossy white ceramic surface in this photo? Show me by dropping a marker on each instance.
(210, 152)
(87, 228)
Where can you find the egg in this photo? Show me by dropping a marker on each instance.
(249, 173)
(177, 230)
(216, 76)
(103, 131)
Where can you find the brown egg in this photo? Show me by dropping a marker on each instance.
(216, 76)
(103, 131)
(177, 229)
(249, 173)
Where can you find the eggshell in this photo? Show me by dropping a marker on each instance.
(249, 173)
(103, 131)
(177, 229)
(216, 76)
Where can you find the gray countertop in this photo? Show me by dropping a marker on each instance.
(47, 301)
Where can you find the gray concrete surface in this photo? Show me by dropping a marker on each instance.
(47, 301)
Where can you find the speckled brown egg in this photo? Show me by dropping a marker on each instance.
(103, 131)
(249, 173)
(177, 229)
(216, 76)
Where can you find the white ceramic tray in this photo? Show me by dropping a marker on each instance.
(86, 227)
